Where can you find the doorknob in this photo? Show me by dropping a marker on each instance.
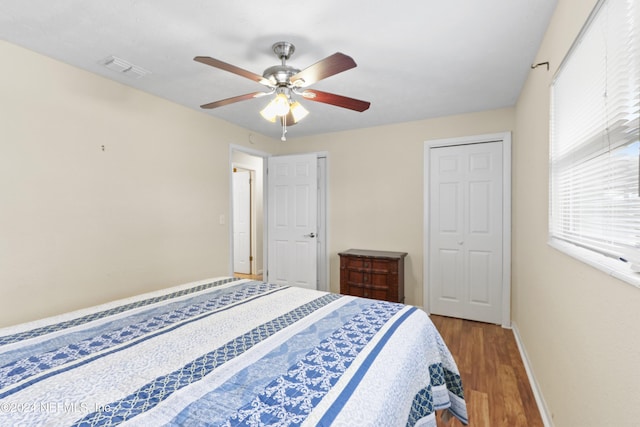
(312, 235)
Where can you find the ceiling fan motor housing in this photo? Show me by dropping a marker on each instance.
(279, 75)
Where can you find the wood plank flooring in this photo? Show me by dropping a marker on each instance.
(496, 386)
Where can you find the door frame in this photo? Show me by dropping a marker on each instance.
(505, 139)
(323, 217)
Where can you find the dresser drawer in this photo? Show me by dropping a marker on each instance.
(369, 292)
(370, 277)
(363, 263)
(357, 263)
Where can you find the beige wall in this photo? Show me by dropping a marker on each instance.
(79, 225)
(376, 185)
(580, 327)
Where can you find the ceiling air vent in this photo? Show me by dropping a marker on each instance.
(126, 68)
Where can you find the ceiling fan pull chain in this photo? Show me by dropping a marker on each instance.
(284, 128)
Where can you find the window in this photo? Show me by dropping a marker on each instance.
(595, 150)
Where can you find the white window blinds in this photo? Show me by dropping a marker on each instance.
(595, 148)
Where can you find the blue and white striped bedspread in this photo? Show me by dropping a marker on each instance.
(228, 352)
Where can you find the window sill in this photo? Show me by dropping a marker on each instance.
(618, 269)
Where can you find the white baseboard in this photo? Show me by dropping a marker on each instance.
(542, 406)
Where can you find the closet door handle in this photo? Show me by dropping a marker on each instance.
(312, 235)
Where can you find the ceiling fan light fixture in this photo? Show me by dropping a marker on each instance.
(298, 111)
(268, 114)
(278, 107)
(280, 104)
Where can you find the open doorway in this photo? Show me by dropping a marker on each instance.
(247, 214)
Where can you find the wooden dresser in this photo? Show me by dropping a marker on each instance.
(372, 274)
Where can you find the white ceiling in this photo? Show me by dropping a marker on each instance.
(416, 58)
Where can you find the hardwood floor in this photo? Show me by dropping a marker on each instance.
(496, 386)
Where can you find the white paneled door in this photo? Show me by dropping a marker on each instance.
(241, 221)
(466, 231)
(292, 220)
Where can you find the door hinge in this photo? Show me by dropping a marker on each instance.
(250, 258)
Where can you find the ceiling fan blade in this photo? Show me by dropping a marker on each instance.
(331, 65)
(232, 69)
(337, 100)
(239, 98)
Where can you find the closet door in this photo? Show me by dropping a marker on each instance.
(466, 231)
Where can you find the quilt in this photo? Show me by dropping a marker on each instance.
(230, 352)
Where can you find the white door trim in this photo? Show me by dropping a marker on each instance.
(505, 139)
(323, 222)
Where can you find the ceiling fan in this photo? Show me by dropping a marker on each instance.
(284, 81)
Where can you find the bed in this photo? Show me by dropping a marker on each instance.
(230, 352)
